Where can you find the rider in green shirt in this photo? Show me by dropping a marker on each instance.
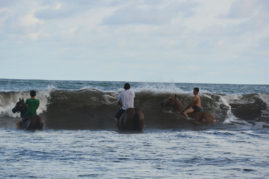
(32, 105)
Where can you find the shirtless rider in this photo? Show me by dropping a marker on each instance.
(195, 106)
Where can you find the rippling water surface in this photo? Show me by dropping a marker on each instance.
(237, 146)
(152, 154)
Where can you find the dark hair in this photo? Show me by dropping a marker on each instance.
(196, 89)
(32, 93)
(127, 86)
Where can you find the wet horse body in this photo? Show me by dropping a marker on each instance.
(31, 123)
(199, 117)
(131, 120)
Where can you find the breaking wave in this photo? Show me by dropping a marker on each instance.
(94, 109)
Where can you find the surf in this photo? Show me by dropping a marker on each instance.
(95, 109)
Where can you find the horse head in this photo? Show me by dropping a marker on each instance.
(20, 106)
(173, 102)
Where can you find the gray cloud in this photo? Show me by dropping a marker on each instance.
(248, 8)
(5, 3)
(71, 8)
(151, 14)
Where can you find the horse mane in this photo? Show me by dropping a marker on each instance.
(178, 104)
(23, 111)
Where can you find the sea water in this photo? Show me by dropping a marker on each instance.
(237, 146)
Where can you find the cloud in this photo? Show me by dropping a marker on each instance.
(33, 36)
(56, 11)
(248, 8)
(4, 4)
(184, 36)
(64, 9)
(149, 13)
(58, 6)
(30, 20)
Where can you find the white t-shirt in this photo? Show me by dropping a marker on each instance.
(127, 99)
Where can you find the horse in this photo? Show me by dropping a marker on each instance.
(131, 120)
(199, 117)
(31, 123)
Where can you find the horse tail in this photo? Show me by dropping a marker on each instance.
(136, 121)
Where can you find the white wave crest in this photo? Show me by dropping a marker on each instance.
(226, 100)
(9, 100)
(160, 88)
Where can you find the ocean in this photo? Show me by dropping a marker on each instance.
(81, 141)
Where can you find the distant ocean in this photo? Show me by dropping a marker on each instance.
(80, 139)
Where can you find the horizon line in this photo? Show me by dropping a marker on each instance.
(133, 81)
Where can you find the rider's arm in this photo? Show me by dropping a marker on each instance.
(120, 100)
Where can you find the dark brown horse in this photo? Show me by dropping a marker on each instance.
(199, 117)
(131, 120)
(31, 123)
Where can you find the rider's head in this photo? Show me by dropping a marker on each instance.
(127, 86)
(195, 91)
(32, 93)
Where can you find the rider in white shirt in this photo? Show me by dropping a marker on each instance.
(125, 100)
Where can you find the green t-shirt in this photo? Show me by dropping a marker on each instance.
(32, 105)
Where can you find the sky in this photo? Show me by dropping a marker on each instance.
(195, 41)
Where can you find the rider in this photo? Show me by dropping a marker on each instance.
(125, 100)
(32, 105)
(195, 106)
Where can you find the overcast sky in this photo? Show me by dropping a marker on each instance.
(136, 40)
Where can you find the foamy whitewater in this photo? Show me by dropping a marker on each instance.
(80, 140)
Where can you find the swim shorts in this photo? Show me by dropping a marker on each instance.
(197, 109)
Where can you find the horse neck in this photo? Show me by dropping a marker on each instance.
(23, 111)
(178, 105)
